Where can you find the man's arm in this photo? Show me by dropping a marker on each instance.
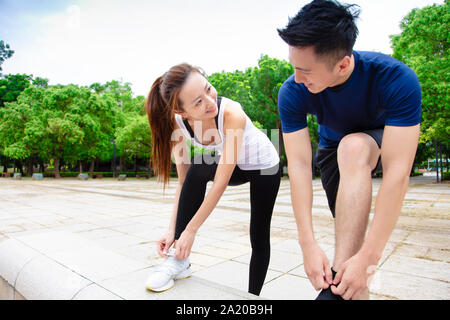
(397, 155)
(299, 155)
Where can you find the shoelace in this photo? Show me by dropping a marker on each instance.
(170, 266)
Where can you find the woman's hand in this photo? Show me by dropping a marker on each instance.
(164, 243)
(184, 244)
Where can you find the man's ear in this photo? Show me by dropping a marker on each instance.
(344, 64)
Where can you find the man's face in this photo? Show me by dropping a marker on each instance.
(314, 74)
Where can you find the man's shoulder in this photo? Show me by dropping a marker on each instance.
(375, 57)
(377, 61)
(292, 101)
(290, 84)
(292, 90)
(385, 70)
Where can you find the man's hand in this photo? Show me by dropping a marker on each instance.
(353, 277)
(317, 266)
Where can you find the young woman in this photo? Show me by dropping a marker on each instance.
(182, 106)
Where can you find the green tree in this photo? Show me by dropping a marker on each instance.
(59, 123)
(10, 88)
(128, 109)
(233, 85)
(5, 53)
(423, 45)
(122, 94)
(12, 85)
(61, 119)
(98, 117)
(134, 139)
(20, 133)
(40, 82)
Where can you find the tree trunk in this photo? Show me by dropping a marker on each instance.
(440, 161)
(56, 163)
(91, 167)
(20, 167)
(30, 166)
(4, 163)
(121, 164)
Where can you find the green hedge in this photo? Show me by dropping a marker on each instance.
(105, 174)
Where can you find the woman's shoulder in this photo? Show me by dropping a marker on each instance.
(233, 113)
(231, 106)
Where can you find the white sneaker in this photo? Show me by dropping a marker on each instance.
(171, 269)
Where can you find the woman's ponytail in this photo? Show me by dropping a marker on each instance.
(161, 120)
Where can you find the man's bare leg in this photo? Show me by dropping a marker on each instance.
(358, 155)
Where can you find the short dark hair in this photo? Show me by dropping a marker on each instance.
(326, 25)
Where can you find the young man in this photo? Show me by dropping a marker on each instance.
(368, 108)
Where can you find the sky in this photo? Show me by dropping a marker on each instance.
(135, 41)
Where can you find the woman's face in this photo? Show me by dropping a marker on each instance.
(198, 98)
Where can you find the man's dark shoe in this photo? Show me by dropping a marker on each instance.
(327, 294)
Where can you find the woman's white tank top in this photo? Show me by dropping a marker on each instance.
(257, 150)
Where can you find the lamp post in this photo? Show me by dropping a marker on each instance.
(114, 165)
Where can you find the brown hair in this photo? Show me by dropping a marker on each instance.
(161, 104)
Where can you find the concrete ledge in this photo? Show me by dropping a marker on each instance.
(64, 266)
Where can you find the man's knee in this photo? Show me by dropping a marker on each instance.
(357, 151)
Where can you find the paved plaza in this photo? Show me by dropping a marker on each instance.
(96, 239)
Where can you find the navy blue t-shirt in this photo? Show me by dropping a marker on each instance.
(380, 91)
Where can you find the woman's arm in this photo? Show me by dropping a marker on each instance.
(181, 171)
(181, 156)
(234, 126)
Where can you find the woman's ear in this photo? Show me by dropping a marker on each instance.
(182, 114)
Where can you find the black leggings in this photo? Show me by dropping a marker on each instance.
(264, 185)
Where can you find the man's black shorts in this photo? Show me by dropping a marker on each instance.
(326, 161)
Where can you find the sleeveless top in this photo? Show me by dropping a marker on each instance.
(257, 151)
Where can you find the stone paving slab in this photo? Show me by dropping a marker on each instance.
(43, 270)
(96, 239)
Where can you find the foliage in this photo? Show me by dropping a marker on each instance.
(11, 86)
(5, 53)
(134, 139)
(58, 123)
(423, 45)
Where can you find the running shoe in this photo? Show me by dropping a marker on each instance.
(163, 275)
